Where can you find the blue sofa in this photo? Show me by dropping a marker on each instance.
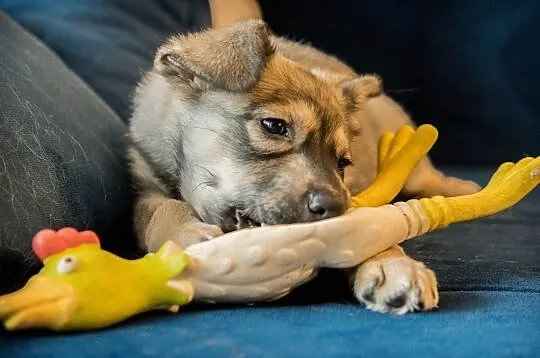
(67, 71)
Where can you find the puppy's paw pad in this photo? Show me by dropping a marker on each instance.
(396, 285)
(398, 301)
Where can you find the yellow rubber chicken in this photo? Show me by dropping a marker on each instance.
(84, 287)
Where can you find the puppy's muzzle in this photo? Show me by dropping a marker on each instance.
(324, 203)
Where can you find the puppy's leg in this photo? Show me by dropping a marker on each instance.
(159, 218)
(229, 12)
(393, 282)
(384, 115)
(426, 181)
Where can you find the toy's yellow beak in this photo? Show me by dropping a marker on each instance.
(42, 303)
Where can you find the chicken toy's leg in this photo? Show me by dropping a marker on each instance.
(510, 183)
(379, 228)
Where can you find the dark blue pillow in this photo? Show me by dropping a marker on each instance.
(109, 43)
(480, 79)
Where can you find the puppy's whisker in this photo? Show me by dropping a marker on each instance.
(402, 90)
(197, 127)
(207, 184)
(210, 174)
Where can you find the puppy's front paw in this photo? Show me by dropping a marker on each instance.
(194, 233)
(396, 284)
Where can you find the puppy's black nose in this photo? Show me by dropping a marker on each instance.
(323, 204)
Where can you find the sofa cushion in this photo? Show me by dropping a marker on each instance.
(108, 43)
(62, 160)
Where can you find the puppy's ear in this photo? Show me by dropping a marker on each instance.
(362, 131)
(360, 89)
(230, 58)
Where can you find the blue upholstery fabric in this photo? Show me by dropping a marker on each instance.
(468, 324)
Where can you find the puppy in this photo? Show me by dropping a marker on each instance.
(234, 127)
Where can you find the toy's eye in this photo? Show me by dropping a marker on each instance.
(275, 126)
(66, 265)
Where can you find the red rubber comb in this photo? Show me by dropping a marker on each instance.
(48, 242)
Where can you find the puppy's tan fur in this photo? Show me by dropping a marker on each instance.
(199, 155)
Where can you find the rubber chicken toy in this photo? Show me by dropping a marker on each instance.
(83, 287)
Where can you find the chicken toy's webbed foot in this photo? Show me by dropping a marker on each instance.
(399, 154)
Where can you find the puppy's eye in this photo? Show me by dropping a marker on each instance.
(342, 164)
(275, 126)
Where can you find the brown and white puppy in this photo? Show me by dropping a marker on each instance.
(234, 127)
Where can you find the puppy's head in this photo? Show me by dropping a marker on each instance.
(255, 137)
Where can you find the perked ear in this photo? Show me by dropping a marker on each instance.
(359, 90)
(230, 58)
(363, 136)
